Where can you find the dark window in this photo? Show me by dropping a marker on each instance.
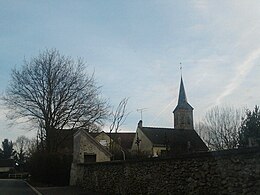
(89, 157)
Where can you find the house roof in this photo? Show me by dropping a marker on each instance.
(95, 134)
(66, 138)
(182, 101)
(174, 137)
(125, 140)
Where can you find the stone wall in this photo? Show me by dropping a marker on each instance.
(226, 172)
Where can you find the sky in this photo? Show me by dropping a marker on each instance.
(135, 48)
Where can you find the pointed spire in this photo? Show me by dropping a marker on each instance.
(182, 94)
(182, 101)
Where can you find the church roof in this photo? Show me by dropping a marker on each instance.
(175, 138)
(182, 101)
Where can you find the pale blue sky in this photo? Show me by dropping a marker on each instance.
(135, 48)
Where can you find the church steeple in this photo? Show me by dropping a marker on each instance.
(182, 95)
(183, 113)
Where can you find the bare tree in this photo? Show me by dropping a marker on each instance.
(220, 128)
(21, 147)
(201, 129)
(118, 118)
(33, 147)
(22, 144)
(56, 93)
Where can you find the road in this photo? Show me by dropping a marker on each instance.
(15, 187)
(66, 190)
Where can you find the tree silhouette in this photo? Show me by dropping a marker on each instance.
(56, 93)
(21, 146)
(117, 118)
(250, 129)
(8, 151)
(220, 127)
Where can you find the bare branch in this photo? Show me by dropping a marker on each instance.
(119, 116)
(220, 127)
(55, 92)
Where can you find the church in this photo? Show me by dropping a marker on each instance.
(160, 141)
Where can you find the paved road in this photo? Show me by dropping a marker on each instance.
(15, 187)
(66, 190)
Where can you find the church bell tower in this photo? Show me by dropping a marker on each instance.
(183, 113)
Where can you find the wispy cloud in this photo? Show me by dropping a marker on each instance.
(11, 129)
(202, 5)
(166, 108)
(240, 74)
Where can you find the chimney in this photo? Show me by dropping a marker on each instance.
(140, 123)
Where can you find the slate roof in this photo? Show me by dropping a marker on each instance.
(125, 139)
(174, 138)
(182, 101)
(65, 141)
(66, 136)
(94, 134)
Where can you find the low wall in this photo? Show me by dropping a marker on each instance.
(225, 172)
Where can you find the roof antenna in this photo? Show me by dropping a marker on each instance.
(141, 110)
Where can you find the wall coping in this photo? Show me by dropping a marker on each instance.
(199, 155)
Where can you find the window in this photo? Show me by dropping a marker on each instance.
(89, 157)
(103, 142)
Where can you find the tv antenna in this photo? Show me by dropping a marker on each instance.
(141, 110)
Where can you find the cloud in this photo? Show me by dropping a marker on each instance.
(201, 5)
(240, 74)
(164, 111)
(12, 131)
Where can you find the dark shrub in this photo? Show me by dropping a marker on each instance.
(52, 169)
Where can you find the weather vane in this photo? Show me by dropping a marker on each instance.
(181, 68)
